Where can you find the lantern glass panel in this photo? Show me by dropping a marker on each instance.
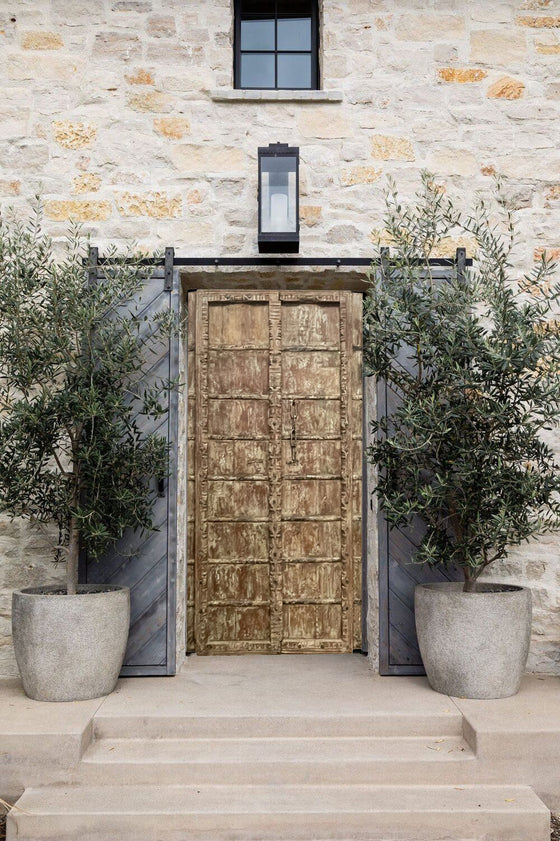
(278, 194)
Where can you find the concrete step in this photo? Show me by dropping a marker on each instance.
(280, 813)
(40, 742)
(278, 761)
(380, 723)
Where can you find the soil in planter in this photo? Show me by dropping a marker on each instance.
(491, 587)
(82, 591)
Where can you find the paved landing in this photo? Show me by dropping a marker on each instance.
(288, 685)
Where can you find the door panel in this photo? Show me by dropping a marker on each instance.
(310, 326)
(314, 459)
(319, 419)
(231, 419)
(315, 374)
(310, 498)
(225, 323)
(142, 560)
(276, 508)
(398, 575)
(237, 459)
(237, 500)
(238, 542)
(233, 373)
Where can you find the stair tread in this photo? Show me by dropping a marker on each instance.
(279, 799)
(187, 725)
(312, 750)
(450, 713)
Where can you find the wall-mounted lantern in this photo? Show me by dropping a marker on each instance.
(279, 198)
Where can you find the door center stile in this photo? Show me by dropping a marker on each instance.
(346, 476)
(275, 473)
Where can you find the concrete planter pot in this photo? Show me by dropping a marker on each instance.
(70, 648)
(474, 645)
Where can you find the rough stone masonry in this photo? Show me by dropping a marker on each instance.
(121, 114)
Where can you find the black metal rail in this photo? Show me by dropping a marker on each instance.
(275, 262)
(170, 261)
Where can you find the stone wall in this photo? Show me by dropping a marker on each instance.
(25, 561)
(120, 114)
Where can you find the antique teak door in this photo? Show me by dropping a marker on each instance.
(275, 471)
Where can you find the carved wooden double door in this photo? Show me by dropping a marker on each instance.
(275, 468)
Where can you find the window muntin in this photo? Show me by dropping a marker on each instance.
(276, 44)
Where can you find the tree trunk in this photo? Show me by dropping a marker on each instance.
(470, 583)
(73, 558)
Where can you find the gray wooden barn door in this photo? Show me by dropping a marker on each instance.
(398, 576)
(147, 562)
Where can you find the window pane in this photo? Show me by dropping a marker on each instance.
(257, 35)
(294, 34)
(294, 71)
(257, 71)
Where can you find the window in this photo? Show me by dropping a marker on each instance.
(276, 44)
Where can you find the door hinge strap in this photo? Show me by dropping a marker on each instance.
(168, 270)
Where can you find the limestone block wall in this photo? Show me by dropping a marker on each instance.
(121, 114)
(25, 561)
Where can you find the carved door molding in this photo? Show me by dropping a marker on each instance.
(275, 426)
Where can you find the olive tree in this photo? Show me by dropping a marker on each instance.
(468, 447)
(72, 354)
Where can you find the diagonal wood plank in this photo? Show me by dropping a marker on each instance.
(142, 560)
(398, 576)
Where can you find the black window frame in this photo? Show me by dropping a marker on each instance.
(315, 79)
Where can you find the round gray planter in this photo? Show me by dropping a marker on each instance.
(474, 645)
(70, 648)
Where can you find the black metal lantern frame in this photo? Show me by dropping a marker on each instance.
(278, 198)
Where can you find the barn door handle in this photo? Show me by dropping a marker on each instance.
(293, 433)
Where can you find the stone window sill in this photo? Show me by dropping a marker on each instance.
(237, 95)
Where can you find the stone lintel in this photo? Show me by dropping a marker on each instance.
(321, 278)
